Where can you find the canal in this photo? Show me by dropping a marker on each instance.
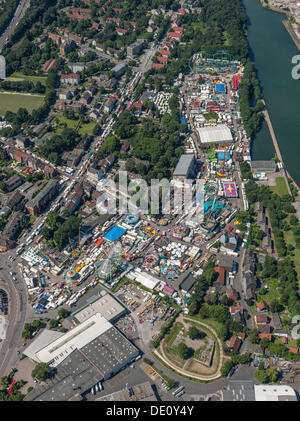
(272, 50)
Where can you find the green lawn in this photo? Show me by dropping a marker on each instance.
(72, 124)
(13, 102)
(281, 187)
(173, 334)
(20, 75)
(289, 239)
(272, 294)
(210, 322)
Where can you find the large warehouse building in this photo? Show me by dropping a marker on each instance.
(220, 135)
(185, 167)
(96, 339)
(105, 304)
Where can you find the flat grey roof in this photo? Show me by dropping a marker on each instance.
(109, 351)
(140, 392)
(42, 193)
(188, 283)
(104, 303)
(118, 67)
(276, 321)
(75, 375)
(263, 164)
(225, 261)
(183, 165)
(26, 186)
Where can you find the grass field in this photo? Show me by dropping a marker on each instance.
(72, 124)
(289, 238)
(281, 187)
(20, 75)
(13, 102)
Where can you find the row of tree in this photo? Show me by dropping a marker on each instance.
(60, 230)
(23, 86)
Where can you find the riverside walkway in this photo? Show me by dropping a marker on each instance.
(275, 143)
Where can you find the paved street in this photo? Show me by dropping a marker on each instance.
(20, 12)
(17, 309)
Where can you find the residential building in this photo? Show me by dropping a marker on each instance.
(135, 48)
(109, 104)
(13, 225)
(13, 182)
(119, 69)
(38, 203)
(70, 79)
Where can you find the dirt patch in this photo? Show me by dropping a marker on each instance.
(25, 368)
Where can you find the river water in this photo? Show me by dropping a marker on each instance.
(272, 50)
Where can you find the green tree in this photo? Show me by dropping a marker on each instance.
(41, 371)
(63, 313)
(193, 332)
(182, 350)
(253, 336)
(53, 323)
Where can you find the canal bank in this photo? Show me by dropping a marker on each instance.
(286, 23)
(272, 59)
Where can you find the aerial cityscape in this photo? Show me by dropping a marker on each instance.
(149, 202)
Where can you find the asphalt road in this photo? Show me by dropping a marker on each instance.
(17, 309)
(19, 13)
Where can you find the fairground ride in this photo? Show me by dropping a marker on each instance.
(219, 63)
(109, 261)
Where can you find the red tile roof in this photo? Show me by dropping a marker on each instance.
(158, 65)
(162, 59)
(48, 65)
(79, 10)
(116, 20)
(265, 335)
(72, 16)
(175, 34)
(235, 309)
(165, 52)
(235, 343)
(294, 350)
(261, 306)
(70, 76)
(241, 335)
(177, 28)
(54, 37)
(121, 31)
(221, 275)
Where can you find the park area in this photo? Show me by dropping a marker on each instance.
(192, 348)
(280, 188)
(12, 102)
(289, 238)
(76, 125)
(19, 76)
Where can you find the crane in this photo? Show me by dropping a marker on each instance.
(223, 166)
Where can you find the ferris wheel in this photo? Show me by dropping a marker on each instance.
(109, 260)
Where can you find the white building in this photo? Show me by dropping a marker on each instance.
(215, 134)
(274, 392)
